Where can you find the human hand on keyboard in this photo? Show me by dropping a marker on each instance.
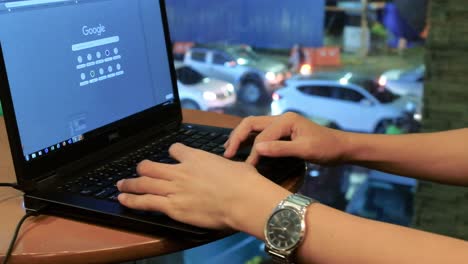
(308, 140)
(204, 189)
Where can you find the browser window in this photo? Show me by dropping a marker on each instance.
(71, 73)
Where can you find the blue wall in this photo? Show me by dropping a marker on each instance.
(260, 23)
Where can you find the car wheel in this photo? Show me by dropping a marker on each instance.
(334, 126)
(251, 92)
(189, 104)
(382, 127)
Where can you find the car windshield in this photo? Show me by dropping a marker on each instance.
(245, 53)
(188, 76)
(380, 92)
(413, 74)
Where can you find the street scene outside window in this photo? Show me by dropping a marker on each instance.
(350, 65)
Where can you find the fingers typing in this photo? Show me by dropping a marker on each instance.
(144, 184)
(146, 202)
(242, 132)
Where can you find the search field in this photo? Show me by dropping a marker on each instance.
(32, 3)
(95, 43)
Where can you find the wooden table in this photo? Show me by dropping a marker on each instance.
(47, 239)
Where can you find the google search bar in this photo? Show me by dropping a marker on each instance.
(32, 3)
(95, 43)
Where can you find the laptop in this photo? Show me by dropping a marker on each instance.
(89, 89)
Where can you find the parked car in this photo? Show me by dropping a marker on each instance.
(405, 82)
(352, 103)
(202, 93)
(254, 76)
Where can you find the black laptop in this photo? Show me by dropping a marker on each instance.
(89, 90)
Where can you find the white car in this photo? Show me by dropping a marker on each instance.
(349, 102)
(202, 93)
(405, 82)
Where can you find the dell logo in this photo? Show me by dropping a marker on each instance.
(93, 30)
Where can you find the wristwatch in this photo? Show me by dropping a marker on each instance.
(285, 229)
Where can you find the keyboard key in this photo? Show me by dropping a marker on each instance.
(90, 190)
(218, 151)
(221, 139)
(113, 197)
(212, 135)
(189, 132)
(206, 148)
(105, 193)
(195, 145)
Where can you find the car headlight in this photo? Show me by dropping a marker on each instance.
(270, 76)
(210, 96)
(241, 61)
(230, 88)
(418, 117)
(383, 80)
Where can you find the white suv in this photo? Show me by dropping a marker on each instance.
(350, 103)
(254, 76)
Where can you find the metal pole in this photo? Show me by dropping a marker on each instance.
(364, 29)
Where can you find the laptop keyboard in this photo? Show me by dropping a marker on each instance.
(100, 183)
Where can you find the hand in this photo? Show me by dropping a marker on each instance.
(203, 190)
(309, 141)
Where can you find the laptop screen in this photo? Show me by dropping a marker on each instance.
(76, 66)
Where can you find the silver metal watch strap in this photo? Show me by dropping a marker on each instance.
(299, 199)
(279, 259)
(299, 202)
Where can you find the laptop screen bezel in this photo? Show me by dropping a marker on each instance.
(162, 115)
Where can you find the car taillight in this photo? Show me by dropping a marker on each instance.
(276, 97)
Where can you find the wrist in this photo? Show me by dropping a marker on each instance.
(361, 147)
(250, 212)
(345, 146)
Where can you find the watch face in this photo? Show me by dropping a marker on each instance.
(284, 229)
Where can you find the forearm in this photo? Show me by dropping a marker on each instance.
(437, 157)
(335, 237)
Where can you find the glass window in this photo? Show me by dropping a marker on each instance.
(188, 76)
(245, 52)
(350, 95)
(341, 46)
(382, 93)
(220, 59)
(198, 56)
(322, 91)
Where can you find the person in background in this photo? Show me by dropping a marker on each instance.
(297, 58)
(214, 192)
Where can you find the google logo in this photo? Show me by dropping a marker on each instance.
(93, 30)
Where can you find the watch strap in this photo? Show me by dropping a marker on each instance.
(299, 199)
(300, 203)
